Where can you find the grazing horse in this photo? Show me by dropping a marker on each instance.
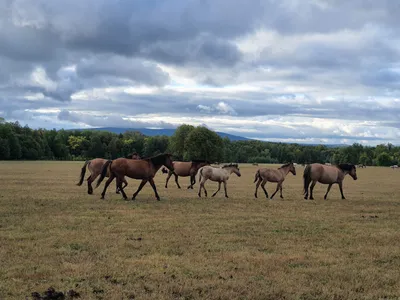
(264, 175)
(327, 175)
(94, 167)
(217, 174)
(184, 169)
(144, 169)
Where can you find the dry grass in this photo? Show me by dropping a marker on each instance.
(52, 233)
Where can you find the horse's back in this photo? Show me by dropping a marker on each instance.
(324, 173)
(96, 164)
(182, 168)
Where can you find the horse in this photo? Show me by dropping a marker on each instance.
(144, 169)
(94, 166)
(394, 166)
(184, 169)
(217, 174)
(326, 175)
(361, 166)
(263, 175)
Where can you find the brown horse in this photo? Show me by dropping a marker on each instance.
(144, 169)
(263, 175)
(327, 175)
(184, 169)
(217, 174)
(94, 167)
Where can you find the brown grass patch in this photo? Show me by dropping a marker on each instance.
(53, 234)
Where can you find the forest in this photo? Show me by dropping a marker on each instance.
(188, 142)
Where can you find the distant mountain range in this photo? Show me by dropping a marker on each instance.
(169, 132)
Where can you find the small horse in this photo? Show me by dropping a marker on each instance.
(326, 175)
(264, 175)
(144, 169)
(394, 166)
(184, 169)
(94, 167)
(217, 174)
(361, 166)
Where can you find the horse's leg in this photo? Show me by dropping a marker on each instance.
(116, 187)
(226, 194)
(168, 177)
(202, 187)
(341, 189)
(110, 179)
(89, 185)
(327, 191)
(277, 188)
(125, 183)
(311, 189)
(192, 182)
(263, 187)
(219, 187)
(139, 188)
(257, 185)
(154, 188)
(281, 190)
(119, 186)
(176, 180)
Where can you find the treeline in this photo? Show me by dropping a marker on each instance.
(188, 142)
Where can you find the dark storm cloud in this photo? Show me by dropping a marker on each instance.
(108, 120)
(122, 67)
(329, 46)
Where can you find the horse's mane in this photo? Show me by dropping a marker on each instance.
(285, 165)
(346, 167)
(230, 165)
(157, 159)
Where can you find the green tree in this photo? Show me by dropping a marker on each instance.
(202, 143)
(364, 159)
(154, 145)
(384, 159)
(178, 140)
(4, 149)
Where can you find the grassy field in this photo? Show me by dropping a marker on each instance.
(52, 233)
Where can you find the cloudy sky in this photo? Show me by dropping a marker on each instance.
(310, 71)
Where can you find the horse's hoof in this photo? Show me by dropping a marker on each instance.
(343, 198)
(311, 198)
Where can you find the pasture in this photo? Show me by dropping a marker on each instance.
(52, 233)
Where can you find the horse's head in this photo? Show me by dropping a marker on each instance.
(168, 161)
(353, 172)
(349, 169)
(235, 169)
(135, 155)
(292, 168)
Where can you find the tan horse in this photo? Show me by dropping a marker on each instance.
(94, 167)
(326, 175)
(217, 174)
(144, 169)
(184, 169)
(263, 175)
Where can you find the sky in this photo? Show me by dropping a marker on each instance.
(305, 71)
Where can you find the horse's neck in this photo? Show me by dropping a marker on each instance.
(284, 171)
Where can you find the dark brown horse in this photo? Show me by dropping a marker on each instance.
(263, 175)
(95, 166)
(184, 169)
(327, 175)
(144, 169)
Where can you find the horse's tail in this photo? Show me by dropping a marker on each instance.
(83, 171)
(103, 173)
(257, 176)
(200, 174)
(306, 178)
